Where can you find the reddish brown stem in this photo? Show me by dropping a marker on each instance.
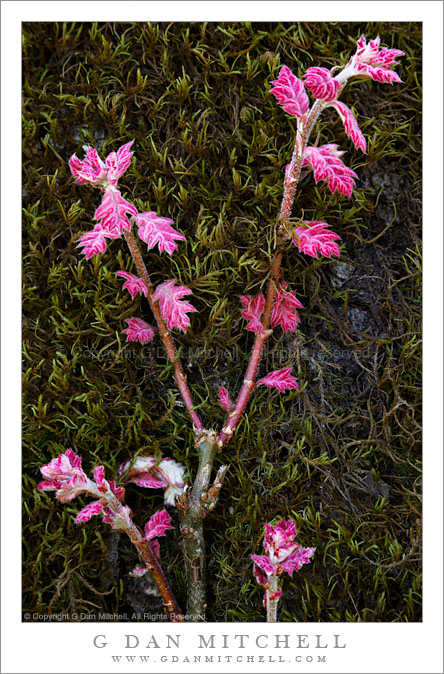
(290, 185)
(150, 560)
(165, 336)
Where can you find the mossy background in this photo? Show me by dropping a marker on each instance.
(342, 456)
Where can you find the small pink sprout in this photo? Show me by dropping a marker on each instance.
(156, 230)
(133, 283)
(252, 312)
(173, 310)
(321, 84)
(290, 92)
(147, 471)
(138, 331)
(283, 555)
(224, 399)
(315, 238)
(280, 379)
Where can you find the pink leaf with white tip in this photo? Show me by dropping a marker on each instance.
(112, 213)
(280, 379)
(350, 124)
(315, 238)
(133, 283)
(326, 165)
(290, 93)
(156, 230)
(173, 309)
(138, 331)
(224, 399)
(252, 312)
(157, 525)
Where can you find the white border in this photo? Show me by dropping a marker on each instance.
(370, 647)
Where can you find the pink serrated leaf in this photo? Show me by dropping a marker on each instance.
(93, 243)
(280, 379)
(138, 331)
(350, 124)
(157, 525)
(133, 283)
(155, 230)
(224, 399)
(112, 213)
(326, 165)
(173, 310)
(315, 238)
(290, 92)
(252, 312)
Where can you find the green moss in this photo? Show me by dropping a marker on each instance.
(342, 456)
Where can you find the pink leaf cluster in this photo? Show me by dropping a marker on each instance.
(138, 331)
(371, 61)
(173, 309)
(321, 84)
(65, 476)
(280, 379)
(290, 92)
(99, 173)
(315, 238)
(114, 210)
(253, 308)
(147, 471)
(224, 399)
(351, 125)
(133, 283)
(327, 165)
(284, 309)
(155, 230)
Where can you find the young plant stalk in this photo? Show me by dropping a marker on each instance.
(290, 185)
